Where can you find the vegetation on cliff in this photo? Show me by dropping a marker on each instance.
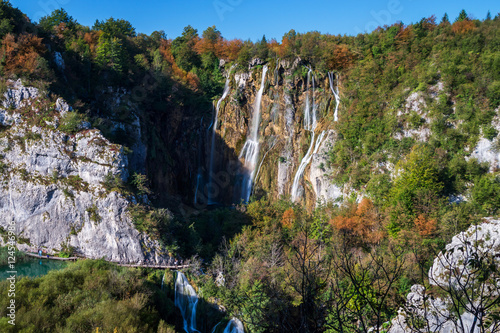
(339, 268)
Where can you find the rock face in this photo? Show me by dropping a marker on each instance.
(465, 268)
(52, 187)
(487, 150)
(319, 175)
(283, 139)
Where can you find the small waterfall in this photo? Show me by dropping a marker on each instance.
(310, 124)
(250, 150)
(186, 300)
(215, 327)
(225, 92)
(234, 326)
(331, 78)
(310, 110)
(162, 281)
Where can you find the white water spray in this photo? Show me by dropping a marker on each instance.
(162, 280)
(331, 78)
(234, 326)
(310, 124)
(186, 300)
(225, 92)
(250, 150)
(310, 110)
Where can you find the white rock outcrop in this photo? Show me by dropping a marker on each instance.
(456, 270)
(319, 174)
(51, 187)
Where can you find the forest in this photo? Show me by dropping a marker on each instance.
(276, 265)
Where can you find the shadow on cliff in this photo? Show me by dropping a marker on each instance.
(203, 195)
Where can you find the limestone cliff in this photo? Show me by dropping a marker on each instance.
(52, 183)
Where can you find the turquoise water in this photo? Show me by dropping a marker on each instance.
(32, 267)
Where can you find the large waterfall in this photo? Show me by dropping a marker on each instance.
(331, 78)
(310, 124)
(225, 92)
(186, 300)
(250, 150)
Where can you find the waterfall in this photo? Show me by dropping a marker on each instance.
(331, 78)
(305, 161)
(310, 111)
(250, 150)
(310, 124)
(162, 280)
(215, 327)
(234, 326)
(225, 92)
(186, 300)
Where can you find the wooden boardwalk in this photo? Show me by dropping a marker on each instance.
(154, 266)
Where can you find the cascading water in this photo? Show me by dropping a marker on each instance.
(186, 300)
(162, 280)
(310, 111)
(234, 326)
(225, 92)
(250, 150)
(309, 125)
(331, 78)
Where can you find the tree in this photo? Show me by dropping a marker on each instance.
(183, 49)
(115, 28)
(57, 17)
(445, 20)
(462, 16)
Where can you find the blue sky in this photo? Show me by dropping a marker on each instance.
(247, 19)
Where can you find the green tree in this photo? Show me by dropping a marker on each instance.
(110, 53)
(183, 49)
(57, 17)
(115, 28)
(462, 16)
(445, 19)
(416, 180)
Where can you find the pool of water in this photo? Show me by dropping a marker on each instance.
(32, 267)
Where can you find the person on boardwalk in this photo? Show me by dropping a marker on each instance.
(40, 252)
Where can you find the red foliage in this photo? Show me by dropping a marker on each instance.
(362, 220)
(22, 55)
(342, 58)
(186, 77)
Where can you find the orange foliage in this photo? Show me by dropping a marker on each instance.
(425, 225)
(462, 27)
(362, 221)
(229, 49)
(186, 77)
(288, 218)
(404, 36)
(92, 39)
(342, 58)
(22, 55)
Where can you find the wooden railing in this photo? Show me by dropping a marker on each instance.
(154, 266)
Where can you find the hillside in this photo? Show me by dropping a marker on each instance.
(319, 176)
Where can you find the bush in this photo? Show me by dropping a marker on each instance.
(71, 122)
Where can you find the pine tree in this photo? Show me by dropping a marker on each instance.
(488, 16)
(462, 16)
(445, 19)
